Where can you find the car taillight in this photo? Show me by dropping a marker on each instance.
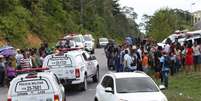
(77, 73)
(56, 98)
(9, 99)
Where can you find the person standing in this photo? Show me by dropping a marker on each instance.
(145, 64)
(189, 59)
(196, 57)
(127, 62)
(134, 58)
(165, 61)
(18, 57)
(2, 70)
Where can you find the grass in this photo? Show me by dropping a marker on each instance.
(184, 87)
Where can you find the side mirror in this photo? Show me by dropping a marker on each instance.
(109, 90)
(161, 87)
(93, 58)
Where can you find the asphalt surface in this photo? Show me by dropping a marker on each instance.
(73, 94)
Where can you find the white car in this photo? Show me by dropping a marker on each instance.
(78, 38)
(102, 42)
(135, 86)
(35, 86)
(89, 44)
(73, 67)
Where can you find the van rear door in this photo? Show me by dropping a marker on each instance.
(62, 66)
(37, 89)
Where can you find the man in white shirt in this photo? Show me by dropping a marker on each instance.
(18, 58)
(167, 48)
(127, 60)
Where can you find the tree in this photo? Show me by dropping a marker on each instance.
(166, 21)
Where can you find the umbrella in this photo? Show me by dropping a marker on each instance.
(8, 52)
(5, 48)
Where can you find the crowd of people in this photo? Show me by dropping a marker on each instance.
(161, 61)
(24, 58)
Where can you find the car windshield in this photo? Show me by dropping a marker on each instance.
(103, 40)
(87, 38)
(77, 39)
(134, 85)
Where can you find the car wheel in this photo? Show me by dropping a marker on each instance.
(84, 84)
(95, 99)
(96, 76)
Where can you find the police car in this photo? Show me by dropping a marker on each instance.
(36, 86)
(73, 67)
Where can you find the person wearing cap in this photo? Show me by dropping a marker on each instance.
(2, 70)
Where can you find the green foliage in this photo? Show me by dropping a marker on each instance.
(51, 19)
(165, 21)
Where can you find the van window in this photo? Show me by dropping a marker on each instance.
(59, 61)
(31, 87)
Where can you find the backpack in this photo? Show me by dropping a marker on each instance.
(167, 61)
(134, 60)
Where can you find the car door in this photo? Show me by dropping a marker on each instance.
(103, 95)
(89, 63)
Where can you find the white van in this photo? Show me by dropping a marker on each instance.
(36, 87)
(73, 67)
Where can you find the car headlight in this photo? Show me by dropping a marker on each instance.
(122, 100)
(164, 99)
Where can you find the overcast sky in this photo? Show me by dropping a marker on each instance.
(142, 7)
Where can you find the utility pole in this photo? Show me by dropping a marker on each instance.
(81, 13)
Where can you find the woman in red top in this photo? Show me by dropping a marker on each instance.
(189, 59)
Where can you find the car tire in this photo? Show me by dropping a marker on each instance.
(84, 84)
(96, 76)
(95, 99)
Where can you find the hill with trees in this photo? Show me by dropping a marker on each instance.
(24, 21)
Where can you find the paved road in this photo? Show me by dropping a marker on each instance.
(73, 94)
